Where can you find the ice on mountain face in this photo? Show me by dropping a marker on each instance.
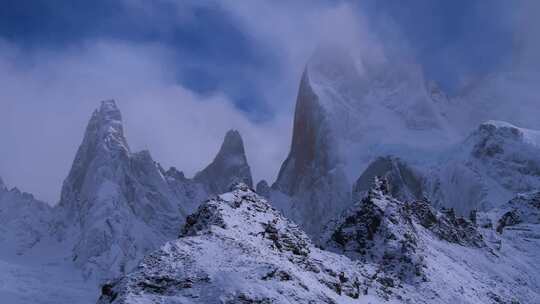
(237, 249)
(117, 205)
(408, 248)
(494, 163)
(229, 166)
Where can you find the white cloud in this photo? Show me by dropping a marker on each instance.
(47, 99)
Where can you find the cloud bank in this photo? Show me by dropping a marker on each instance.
(49, 90)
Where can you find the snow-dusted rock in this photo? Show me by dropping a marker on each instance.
(420, 255)
(229, 166)
(117, 205)
(237, 249)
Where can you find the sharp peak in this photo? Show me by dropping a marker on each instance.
(232, 142)
(232, 134)
(108, 110)
(105, 127)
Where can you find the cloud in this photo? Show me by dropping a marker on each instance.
(49, 92)
(48, 97)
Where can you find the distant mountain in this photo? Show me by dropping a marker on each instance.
(495, 163)
(415, 197)
(348, 113)
(116, 206)
(230, 166)
(25, 220)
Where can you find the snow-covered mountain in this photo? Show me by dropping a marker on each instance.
(348, 113)
(116, 206)
(382, 168)
(353, 112)
(237, 249)
(420, 255)
(25, 220)
(496, 162)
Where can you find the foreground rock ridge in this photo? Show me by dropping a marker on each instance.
(237, 249)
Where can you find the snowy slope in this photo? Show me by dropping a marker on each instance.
(237, 249)
(34, 267)
(424, 256)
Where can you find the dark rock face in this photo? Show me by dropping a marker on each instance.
(229, 166)
(405, 183)
(313, 174)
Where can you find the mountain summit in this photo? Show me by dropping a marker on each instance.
(229, 166)
(116, 205)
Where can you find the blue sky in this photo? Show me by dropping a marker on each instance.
(184, 72)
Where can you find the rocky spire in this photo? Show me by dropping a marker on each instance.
(229, 166)
(117, 205)
(2, 185)
(103, 142)
(313, 172)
